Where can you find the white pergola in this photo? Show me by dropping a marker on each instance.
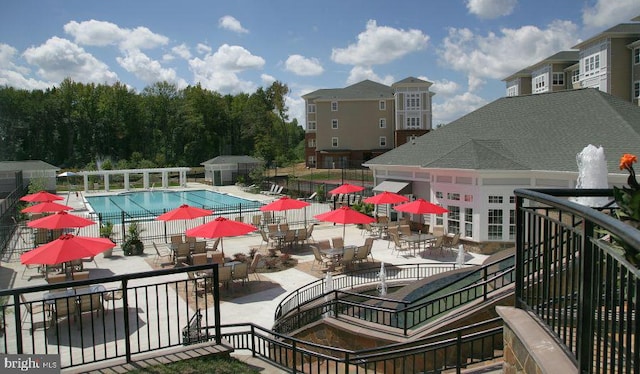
(145, 176)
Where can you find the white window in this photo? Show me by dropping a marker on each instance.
(512, 91)
(453, 196)
(311, 125)
(413, 123)
(383, 141)
(636, 55)
(311, 108)
(334, 123)
(311, 160)
(453, 222)
(334, 142)
(468, 198)
(540, 83)
(439, 194)
(575, 76)
(382, 105)
(334, 106)
(591, 65)
(636, 89)
(512, 224)
(557, 79)
(383, 123)
(468, 222)
(495, 200)
(495, 224)
(412, 101)
(312, 143)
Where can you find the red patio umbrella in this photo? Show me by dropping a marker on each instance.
(284, 203)
(184, 212)
(346, 188)
(420, 206)
(46, 207)
(66, 248)
(40, 196)
(60, 220)
(220, 228)
(345, 215)
(386, 197)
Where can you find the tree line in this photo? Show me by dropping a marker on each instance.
(77, 125)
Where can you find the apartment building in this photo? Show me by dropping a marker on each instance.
(608, 61)
(347, 126)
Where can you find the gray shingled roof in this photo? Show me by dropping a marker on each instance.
(26, 165)
(620, 30)
(362, 90)
(231, 159)
(535, 132)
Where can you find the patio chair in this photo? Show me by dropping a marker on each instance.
(452, 245)
(310, 233)
(182, 253)
(369, 243)
(289, 239)
(239, 219)
(265, 240)
(112, 295)
(405, 230)
(319, 259)
(311, 197)
(160, 254)
(215, 245)
(256, 220)
(200, 247)
(65, 307)
(56, 278)
(254, 266)
(399, 246)
(301, 235)
(367, 229)
(436, 244)
(240, 272)
(34, 308)
(90, 303)
(346, 261)
(271, 189)
(200, 286)
(391, 231)
(337, 242)
(324, 244)
(272, 227)
(361, 255)
(80, 275)
(216, 257)
(284, 227)
(199, 259)
(224, 275)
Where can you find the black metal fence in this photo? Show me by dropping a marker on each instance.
(300, 309)
(576, 280)
(452, 350)
(100, 319)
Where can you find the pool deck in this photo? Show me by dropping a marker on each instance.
(258, 307)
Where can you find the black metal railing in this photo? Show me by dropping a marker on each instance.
(100, 319)
(452, 350)
(311, 303)
(575, 278)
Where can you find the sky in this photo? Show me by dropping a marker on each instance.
(465, 47)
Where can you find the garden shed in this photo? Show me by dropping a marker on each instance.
(225, 170)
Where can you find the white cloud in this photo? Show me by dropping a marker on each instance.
(267, 80)
(148, 70)
(59, 58)
(380, 45)
(490, 9)
(455, 107)
(15, 76)
(496, 56)
(360, 73)
(607, 13)
(101, 33)
(296, 106)
(443, 87)
(232, 24)
(182, 51)
(203, 49)
(218, 71)
(301, 65)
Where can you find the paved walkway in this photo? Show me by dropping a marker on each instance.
(258, 307)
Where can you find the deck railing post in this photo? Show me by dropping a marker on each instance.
(127, 328)
(585, 300)
(216, 304)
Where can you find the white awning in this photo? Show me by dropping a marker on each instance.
(402, 188)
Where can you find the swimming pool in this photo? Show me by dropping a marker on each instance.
(157, 201)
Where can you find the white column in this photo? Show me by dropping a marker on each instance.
(106, 182)
(145, 179)
(85, 179)
(126, 181)
(165, 179)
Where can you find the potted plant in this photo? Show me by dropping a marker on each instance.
(106, 231)
(132, 244)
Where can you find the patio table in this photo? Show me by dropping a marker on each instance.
(415, 240)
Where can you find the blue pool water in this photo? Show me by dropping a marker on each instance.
(158, 201)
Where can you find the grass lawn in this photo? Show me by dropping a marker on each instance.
(201, 365)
